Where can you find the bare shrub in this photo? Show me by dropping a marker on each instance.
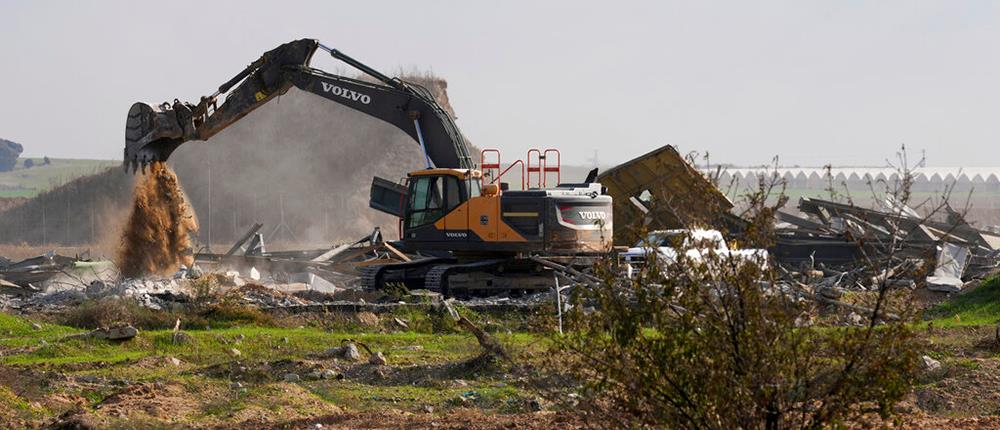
(108, 312)
(707, 339)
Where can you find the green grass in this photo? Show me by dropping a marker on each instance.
(22, 182)
(980, 306)
(206, 368)
(212, 346)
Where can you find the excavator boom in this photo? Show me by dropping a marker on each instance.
(153, 132)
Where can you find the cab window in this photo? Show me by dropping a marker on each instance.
(426, 200)
(453, 194)
(475, 187)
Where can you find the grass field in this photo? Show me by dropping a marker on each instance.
(22, 182)
(153, 381)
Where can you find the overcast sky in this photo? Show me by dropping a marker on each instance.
(843, 82)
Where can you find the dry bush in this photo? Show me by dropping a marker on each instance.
(108, 312)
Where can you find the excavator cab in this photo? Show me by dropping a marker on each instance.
(437, 201)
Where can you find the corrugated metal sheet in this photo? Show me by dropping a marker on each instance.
(676, 195)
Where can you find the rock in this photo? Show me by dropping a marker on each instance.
(254, 274)
(89, 379)
(96, 289)
(36, 326)
(855, 319)
(236, 385)
(428, 409)
(43, 342)
(831, 292)
(348, 352)
(351, 352)
(174, 361)
(234, 352)
(401, 323)
(292, 377)
(284, 340)
(328, 374)
(181, 338)
(377, 359)
(366, 319)
(182, 272)
(930, 364)
(535, 404)
(125, 332)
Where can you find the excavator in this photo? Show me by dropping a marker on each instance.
(475, 234)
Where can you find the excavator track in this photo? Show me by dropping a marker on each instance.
(451, 278)
(437, 277)
(376, 277)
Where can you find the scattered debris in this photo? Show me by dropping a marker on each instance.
(930, 364)
(827, 248)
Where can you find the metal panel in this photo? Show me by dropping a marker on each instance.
(387, 196)
(682, 197)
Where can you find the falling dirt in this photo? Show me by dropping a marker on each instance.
(156, 239)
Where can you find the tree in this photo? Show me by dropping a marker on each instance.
(29, 163)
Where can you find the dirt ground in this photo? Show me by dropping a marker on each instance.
(283, 376)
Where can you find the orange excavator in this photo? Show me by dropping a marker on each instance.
(476, 234)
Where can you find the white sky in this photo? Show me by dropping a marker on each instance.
(815, 82)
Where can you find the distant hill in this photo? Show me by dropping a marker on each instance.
(29, 182)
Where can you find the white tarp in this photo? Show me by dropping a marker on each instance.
(951, 261)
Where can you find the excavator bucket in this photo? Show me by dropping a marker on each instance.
(152, 133)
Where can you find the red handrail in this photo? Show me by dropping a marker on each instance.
(486, 167)
(546, 168)
(537, 166)
(521, 162)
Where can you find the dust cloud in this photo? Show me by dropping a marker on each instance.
(301, 165)
(156, 239)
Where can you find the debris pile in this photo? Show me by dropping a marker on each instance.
(828, 247)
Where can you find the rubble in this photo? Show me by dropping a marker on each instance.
(827, 248)
(35, 271)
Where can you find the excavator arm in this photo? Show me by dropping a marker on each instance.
(152, 133)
